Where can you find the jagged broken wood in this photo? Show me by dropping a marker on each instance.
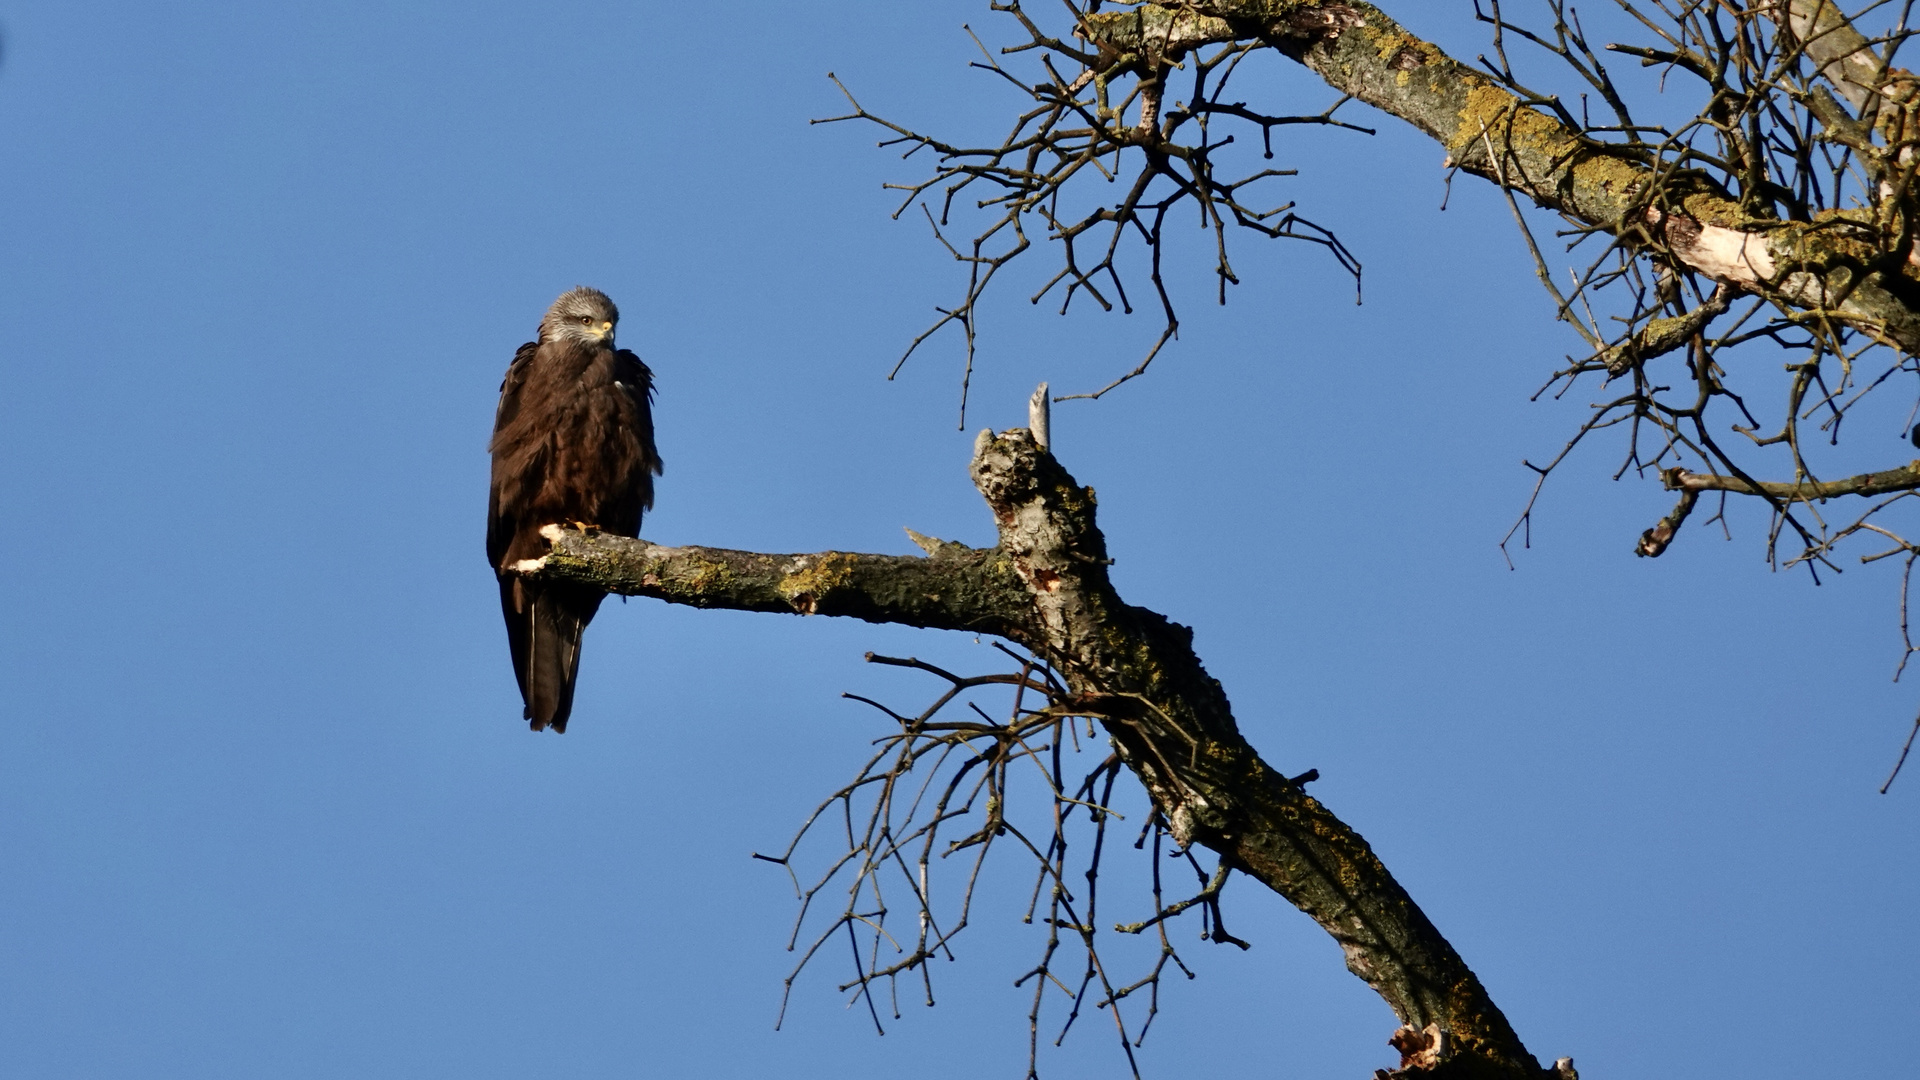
(1040, 418)
(1045, 586)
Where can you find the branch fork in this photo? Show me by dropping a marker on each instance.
(1045, 586)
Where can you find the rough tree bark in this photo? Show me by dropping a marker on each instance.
(1045, 586)
(1836, 264)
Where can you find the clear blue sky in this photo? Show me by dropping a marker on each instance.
(266, 805)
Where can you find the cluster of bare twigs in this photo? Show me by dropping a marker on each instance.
(1097, 111)
(1797, 137)
(1806, 127)
(1760, 137)
(954, 781)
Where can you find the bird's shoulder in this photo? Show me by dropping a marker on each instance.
(518, 369)
(635, 379)
(512, 384)
(631, 372)
(522, 360)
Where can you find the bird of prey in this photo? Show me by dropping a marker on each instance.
(572, 446)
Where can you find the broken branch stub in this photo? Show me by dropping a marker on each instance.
(1040, 417)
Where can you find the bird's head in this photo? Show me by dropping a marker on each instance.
(583, 315)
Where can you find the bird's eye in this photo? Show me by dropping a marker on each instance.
(586, 320)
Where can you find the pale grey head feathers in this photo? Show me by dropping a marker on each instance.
(583, 315)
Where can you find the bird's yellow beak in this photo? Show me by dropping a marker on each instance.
(606, 328)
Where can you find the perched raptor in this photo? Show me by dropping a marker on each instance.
(572, 445)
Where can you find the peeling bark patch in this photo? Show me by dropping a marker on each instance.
(1322, 22)
(1681, 232)
(1422, 1049)
(1405, 60)
(1357, 962)
(1721, 253)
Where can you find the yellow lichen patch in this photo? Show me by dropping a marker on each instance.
(704, 575)
(1268, 9)
(1492, 113)
(1388, 43)
(1487, 106)
(1832, 240)
(1616, 178)
(821, 575)
(1349, 877)
(1544, 156)
(1708, 208)
(1858, 215)
(1402, 53)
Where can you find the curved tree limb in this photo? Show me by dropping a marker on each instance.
(1045, 586)
(1885, 482)
(1834, 266)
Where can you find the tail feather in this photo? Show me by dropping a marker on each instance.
(544, 625)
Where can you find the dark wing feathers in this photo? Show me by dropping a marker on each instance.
(500, 528)
(572, 441)
(636, 382)
(511, 383)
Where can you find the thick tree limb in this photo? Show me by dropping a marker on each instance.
(960, 588)
(1832, 267)
(1885, 482)
(1045, 586)
(1845, 57)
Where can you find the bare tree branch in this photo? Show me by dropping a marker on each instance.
(1904, 478)
(1829, 265)
(1045, 586)
(959, 588)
